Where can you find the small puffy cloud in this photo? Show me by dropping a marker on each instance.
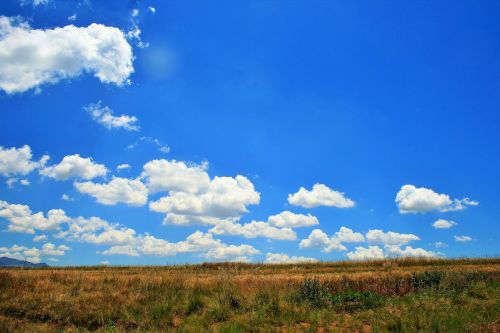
(390, 237)
(411, 199)
(74, 166)
(252, 230)
(440, 244)
(119, 190)
(163, 176)
(24, 182)
(18, 161)
(134, 12)
(366, 253)
(33, 57)
(123, 167)
(236, 253)
(319, 239)
(346, 235)
(282, 258)
(40, 238)
(320, 195)
(103, 115)
(152, 10)
(443, 224)
(21, 219)
(462, 239)
(408, 251)
(72, 17)
(66, 197)
(50, 249)
(127, 250)
(95, 230)
(288, 219)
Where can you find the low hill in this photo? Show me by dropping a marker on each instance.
(10, 262)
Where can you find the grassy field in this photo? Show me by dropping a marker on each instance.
(405, 295)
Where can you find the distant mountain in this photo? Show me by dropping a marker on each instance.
(9, 262)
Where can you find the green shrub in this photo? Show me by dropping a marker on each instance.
(355, 301)
(426, 280)
(313, 292)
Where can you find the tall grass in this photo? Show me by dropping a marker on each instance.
(402, 295)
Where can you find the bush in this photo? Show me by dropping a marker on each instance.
(355, 301)
(312, 291)
(426, 280)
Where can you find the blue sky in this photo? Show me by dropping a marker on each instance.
(223, 112)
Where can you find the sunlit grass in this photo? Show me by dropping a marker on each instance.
(402, 295)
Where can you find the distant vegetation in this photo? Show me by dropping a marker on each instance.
(401, 295)
(10, 262)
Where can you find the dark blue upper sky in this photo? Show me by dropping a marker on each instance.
(364, 97)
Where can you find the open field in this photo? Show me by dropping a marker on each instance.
(401, 295)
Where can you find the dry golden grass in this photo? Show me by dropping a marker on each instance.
(461, 294)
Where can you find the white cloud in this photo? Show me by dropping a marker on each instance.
(288, 219)
(18, 161)
(21, 253)
(390, 237)
(162, 175)
(203, 243)
(135, 12)
(40, 238)
(252, 230)
(66, 197)
(346, 235)
(320, 195)
(152, 10)
(33, 254)
(236, 253)
(123, 167)
(282, 258)
(21, 219)
(104, 116)
(34, 2)
(366, 253)
(50, 249)
(72, 17)
(408, 251)
(443, 224)
(147, 139)
(224, 198)
(129, 191)
(440, 244)
(97, 231)
(33, 57)
(25, 182)
(122, 240)
(127, 250)
(74, 166)
(319, 239)
(411, 199)
(10, 182)
(462, 239)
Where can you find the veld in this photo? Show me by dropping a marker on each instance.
(400, 295)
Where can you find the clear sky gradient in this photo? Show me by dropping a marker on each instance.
(362, 97)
